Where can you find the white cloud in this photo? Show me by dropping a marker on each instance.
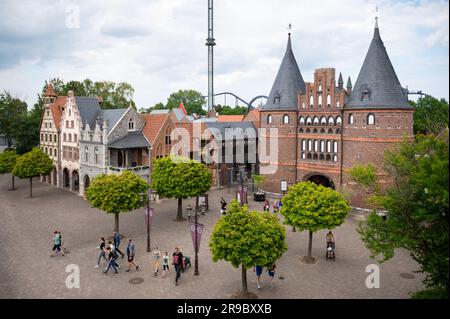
(158, 46)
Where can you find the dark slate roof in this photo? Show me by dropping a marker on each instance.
(288, 84)
(349, 83)
(340, 80)
(378, 78)
(89, 110)
(221, 126)
(112, 117)
(131, 140)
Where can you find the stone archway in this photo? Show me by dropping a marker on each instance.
(86, 182)
(320, 179)
(66, 178)
(75, 181)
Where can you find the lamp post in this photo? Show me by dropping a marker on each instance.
(149, 194)
(196, 273)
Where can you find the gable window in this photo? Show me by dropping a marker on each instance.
(55, 152)
(131, 125)
(269, 119)
(168, 140)
(370, 119)
(64, 137)
(351, 119)
(72, 124)
(67, 124)
(75, 137)
(42, 137)
(48, 113)
(70, 137)
(311, 101)
(286, 119)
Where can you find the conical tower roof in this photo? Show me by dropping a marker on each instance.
(288, 84)
(377, 86)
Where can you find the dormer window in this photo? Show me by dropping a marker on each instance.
(131, 125)
(276, 99)
(365, 95)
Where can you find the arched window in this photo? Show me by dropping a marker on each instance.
(301, 121)
(338, 104)
(308, 130)
(276, 99)
(330, 120)
(168, 140)
(351, 119)
(286, 119)
(303, 105)
(55, 152)
(309, 145)
(269, 119)
(322, 146)
(335, 147)
(96, 155)
(315, 157)
(309, 156)
(300, 130)
(328, 157)
(311, 101)
(320, 100)
(322, 131)
(315, 131)
(323, 121)
(330, 131)
(131, 125)
(321, 157)
(338, 120)
(316, 146)
(86, 154)
(328, 100)
(320, 88)
(303, 155)
(316, 120)
(370, 119)
(328, 146)
(335, 158)
(304, 145)
(308, 121)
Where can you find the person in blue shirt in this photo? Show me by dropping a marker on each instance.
(117, 242)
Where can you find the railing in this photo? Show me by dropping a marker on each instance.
(135, 169)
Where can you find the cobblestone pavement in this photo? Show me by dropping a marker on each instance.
(28, 271)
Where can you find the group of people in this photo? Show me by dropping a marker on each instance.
(179, 262)
(276, 206)
(110, 253)
(270, 271)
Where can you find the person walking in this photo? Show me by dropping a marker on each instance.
(275, 207)
(102, 253)
(165, 265)
(112, 256)
(130, 255)
(113, 249)
(271, 272)
(56, 243)
(63, 249)
(223, 206)
(258, 270)
(156, 255)
(116, 236)
(177, 262)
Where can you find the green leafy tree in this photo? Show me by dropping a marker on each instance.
(193, 101)
(312, 207)
(11, 111)
(417, 205)
(247, 239)
(228, 110)
(157, 106)
(115, 194)
(32, 164)
(27, 135)
(8, 160)
(259, 180)
(178, 177)
(431, 115)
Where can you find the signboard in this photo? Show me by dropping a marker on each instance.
(196, 230)
(148, 217)
(284, 186)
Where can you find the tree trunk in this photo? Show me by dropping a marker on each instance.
(31, 186)
(244, 279)
(180, 210)
(116, 221)
(310, 244)
(12, 182)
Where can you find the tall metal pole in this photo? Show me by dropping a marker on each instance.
(210, 43)
(196, 273)
(149, 179)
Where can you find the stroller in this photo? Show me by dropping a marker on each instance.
(331, 251)
(186, 262)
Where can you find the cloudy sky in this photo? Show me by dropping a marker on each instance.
(158, 45)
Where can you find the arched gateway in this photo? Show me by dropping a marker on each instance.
(319, 179)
